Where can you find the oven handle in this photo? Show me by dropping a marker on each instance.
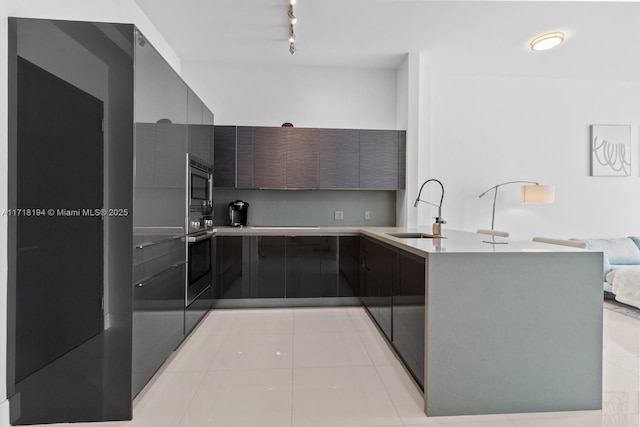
(199, 238)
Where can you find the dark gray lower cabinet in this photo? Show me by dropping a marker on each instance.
(409, 312)
(268, 266)
(348, 266)
(233, 267)
(158, 322)
(312, 266)
(393, 291)
(377, 281)
(279, 267)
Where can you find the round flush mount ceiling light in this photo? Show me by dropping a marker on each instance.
(547, 41)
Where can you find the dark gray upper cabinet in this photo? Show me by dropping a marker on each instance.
(402, 159)
(224, 169)
(233, 157)
(302, 158)
(339, 157)
(379, 159)
(244, 159)
(270, 157)
(309, 158)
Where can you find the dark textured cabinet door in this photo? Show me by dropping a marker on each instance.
(379, 159)
(268, 264)
(302, 158)
(312, 266)
(224, 167)
(244, 163)
(270, 157)
(402, 159)
(409, 313)
(338, 158)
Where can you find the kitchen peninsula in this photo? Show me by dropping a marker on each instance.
(484, 326)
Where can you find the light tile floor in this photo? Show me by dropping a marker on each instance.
(327, 367)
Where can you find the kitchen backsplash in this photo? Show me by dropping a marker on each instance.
(309, 208)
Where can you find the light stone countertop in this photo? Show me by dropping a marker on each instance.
(452, 241)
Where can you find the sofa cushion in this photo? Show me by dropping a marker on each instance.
(636, 240)
(621, 251)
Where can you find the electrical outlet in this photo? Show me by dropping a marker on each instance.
(338, 215)
(367, 215)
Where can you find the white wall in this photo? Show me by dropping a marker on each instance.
(268, 95)
(489, 129)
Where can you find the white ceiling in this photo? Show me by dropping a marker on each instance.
(603, 38)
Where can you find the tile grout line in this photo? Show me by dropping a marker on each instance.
(375, 367)
(293, 334)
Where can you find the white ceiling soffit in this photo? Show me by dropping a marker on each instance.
(602, 37)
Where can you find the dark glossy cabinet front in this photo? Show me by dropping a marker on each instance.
(268, 265)
(349, 266)
(312, 266)
(392, 288)
(280, 267)
(377, 281)
(232, 267)
(409, 312)
(68, 288)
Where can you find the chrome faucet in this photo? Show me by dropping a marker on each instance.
(437, 225)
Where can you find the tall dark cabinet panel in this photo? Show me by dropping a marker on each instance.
(349, 266)
(224, 171)
(409, 312)
(302, 158)
(339, 157)
(377, 272)
(379, 159)
(244, 163)
(69, 292)
(270, 157)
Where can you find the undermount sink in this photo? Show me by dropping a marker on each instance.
(414, 235)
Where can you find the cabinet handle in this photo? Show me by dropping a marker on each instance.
(155, 276)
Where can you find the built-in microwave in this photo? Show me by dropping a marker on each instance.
(200, 182)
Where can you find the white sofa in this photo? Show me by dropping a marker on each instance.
(621, 267)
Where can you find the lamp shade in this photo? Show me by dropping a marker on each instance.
(538, 193)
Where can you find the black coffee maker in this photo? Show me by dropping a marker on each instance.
(238, 213)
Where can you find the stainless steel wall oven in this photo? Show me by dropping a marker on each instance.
(199, 271)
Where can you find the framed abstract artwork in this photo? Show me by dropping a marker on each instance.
(610, 150)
